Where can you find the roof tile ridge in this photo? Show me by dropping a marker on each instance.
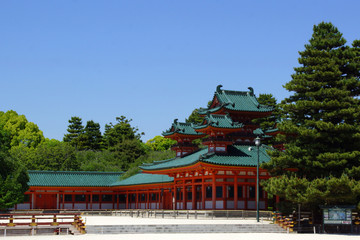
(162, 161)
(73, 172)
(206, 156)
(256, 103)
(228, 99)
(229, 119)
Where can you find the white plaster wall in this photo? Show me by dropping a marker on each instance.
(122, 205)
(22, 206)
(96, 206)
(106, 206)
(241, 204)
(219, 205)
(68, 206)
(230, 204)
(80, 206)
(208, 204)
(189, 205)
(251, 205)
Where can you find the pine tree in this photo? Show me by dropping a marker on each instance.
(75, 131)
(322, 121)
(269, 122)
(93, 137)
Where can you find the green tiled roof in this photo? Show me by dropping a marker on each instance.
(236, 101)
(175, 162)
(73, 179)
(238, 155)
(272, 130)
(219, 121)
(258, 131)
(183, 128)
(142, 178)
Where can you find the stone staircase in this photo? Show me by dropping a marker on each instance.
(184, 228)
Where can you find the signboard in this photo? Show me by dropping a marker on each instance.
(337, 215)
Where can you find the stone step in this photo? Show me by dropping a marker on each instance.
(185, 228)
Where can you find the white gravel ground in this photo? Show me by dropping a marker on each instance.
(102, 220)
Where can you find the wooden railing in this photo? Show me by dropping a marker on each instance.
(42, 219)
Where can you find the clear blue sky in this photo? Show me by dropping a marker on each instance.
(152, 61)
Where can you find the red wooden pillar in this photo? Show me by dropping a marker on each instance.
(159, 199)
(91, 200)
(137, 200)
(73, 200)
(184, 195)
(63, 200)
(174, 197)
(193, 189)
(147, 200)
(246, 196)
(127, 199)
(117, 200)
(236, 190)
(87, 199)
(203, 192)
(224, 196)
(100, 200)
(213, 191)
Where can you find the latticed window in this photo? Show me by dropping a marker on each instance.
(219, 191)
(106, 198)
(68, 198)
(80, 198)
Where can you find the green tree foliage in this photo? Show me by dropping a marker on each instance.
(127, 151)
(322, 127)
(49, 155)
(124, 141)
(13, 182)
(270, 121)
(117, 133)
(4, 139)
(312, 193)
(149, 157)
(19, 131)
(159, 143)
(75, 132)
(98, 161)
(92, 136)
(194, 117)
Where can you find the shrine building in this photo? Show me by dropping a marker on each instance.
(219, 175)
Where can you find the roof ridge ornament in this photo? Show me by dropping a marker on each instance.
(251, 93)
(218, 88)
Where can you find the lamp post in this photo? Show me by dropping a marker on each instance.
(257, 143)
